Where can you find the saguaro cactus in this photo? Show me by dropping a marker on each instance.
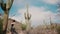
(27, 19)
(6, 7)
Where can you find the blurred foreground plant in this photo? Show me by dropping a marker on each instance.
(58, 29)
(6, 7)
(1, 26)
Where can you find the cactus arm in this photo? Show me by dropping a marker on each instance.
(9, 4)
(3, 5)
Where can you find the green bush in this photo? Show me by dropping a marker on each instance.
(1, 26)
(58, 29)
(23, 26)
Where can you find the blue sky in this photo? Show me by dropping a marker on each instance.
(39, 9)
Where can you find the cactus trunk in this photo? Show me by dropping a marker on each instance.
(5, 22)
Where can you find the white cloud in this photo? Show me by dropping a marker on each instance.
(38, 15)
(20, 2)
(50, 1)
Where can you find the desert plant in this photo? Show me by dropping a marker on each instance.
(58, 29)
(1, 26)
(6, 7)
(23, 26)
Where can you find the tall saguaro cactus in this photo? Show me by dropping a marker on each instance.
(27, 19)
(6, 7)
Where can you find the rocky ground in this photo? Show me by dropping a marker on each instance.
(44, 32)
(38, 32)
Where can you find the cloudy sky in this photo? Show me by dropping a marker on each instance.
(41, 10)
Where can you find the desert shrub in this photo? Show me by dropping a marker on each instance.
(23, 26)
(58, 29)
(1, 26)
